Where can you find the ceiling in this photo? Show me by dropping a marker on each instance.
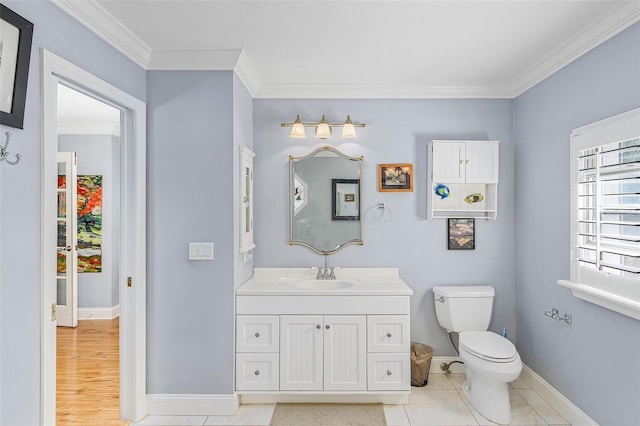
(362, 48)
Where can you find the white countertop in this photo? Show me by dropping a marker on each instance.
(301, 281)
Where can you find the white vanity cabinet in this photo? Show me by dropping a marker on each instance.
(257, 347)
(467, 169)
(323, 352)
(323, 344)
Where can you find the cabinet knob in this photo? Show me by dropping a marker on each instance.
(318, 326)
(467, 162)
(461, 162)
(257, 334)
(327, 326)
(257, 372)
(388, 372)
(388, 334)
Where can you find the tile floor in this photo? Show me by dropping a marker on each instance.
(439, 403)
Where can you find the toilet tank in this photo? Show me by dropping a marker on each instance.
(464, 308)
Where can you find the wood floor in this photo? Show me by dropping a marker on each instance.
(88, 374)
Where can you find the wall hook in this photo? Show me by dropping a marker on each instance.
(4, 152)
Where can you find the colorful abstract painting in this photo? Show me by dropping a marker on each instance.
(89, 224)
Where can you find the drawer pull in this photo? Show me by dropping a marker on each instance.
(257, 334)
(388, 372)
(257, 372)
(388, 334)
(318, 326)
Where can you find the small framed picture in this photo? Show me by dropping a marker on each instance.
(461, 234)
(395, 177)
(345, 202)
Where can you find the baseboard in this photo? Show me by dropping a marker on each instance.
(555, 399)
(436, 361)
(99, 313)
(191, 404)
(393, 398)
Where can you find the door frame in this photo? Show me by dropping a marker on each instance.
(133, 403)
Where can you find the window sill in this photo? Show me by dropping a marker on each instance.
(621, 304)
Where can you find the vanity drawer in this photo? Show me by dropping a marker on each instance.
(256, 333)
(388, 333)
(388, 371)
(257, 372)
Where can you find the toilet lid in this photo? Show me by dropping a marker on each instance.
(488, 345)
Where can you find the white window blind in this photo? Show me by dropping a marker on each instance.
(605, 214)
(608, 231)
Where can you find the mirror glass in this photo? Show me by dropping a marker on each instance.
(325, 200)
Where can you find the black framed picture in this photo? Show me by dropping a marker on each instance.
(461, 234)
(345, 199)
(16, 34)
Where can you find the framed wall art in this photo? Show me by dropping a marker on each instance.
(395, 177)
(461, 234)
(345, 199)
(15, 51)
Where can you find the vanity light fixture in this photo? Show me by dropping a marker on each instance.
(323, 128)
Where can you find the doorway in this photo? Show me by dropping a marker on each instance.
(88, 307)
(131, 277)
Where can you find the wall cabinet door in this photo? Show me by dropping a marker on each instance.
(449, 162)
(323, 353)
(345, 353)
(301, 340)
(246, 199)
(481, 162)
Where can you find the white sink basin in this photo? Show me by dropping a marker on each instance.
(326, 284)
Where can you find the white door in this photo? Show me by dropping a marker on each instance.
(301, 352)
(448, 162)
(67, 246)
(345, 357)
(482, 162)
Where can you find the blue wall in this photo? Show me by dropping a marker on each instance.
(397, 131)
(20, 302)
(190, 173)
(594, 362)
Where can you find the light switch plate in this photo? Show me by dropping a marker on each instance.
(201, 251)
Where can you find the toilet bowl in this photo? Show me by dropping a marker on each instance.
(491, 363)
(491, 360)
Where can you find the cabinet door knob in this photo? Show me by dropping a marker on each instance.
(388, 334)
(388, 372)
(467, 162)
(257, 372)
(318, 326)
(257, 334)
(327, 326)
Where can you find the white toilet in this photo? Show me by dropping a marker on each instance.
(491, 360)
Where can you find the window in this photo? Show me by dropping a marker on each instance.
(605, 217)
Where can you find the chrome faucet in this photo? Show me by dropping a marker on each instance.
(325, 272)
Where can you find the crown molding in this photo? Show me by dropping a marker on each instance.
(375, 91)
(194, 59)
(104, 25)
(605, 28)
(245, 72)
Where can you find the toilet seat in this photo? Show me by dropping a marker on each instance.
(488, 346)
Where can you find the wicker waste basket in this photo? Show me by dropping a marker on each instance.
(420, 363)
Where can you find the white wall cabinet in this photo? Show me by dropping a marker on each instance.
(467, 169)
(246, 199)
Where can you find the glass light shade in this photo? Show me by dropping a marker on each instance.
(323, 131)
(297, 130)
(348, 130)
